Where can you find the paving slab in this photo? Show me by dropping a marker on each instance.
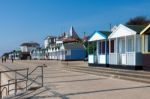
(60, 83)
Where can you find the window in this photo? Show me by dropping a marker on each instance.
(112, 46)
(146, 42)
(103, 47)
(122, 45)
(130, 45)
(91, 47)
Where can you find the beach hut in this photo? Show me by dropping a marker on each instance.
(146, 47)
(38, 54)
(72, 51)
(98, 48)
(125, 47)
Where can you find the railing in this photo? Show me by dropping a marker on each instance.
(25, 78)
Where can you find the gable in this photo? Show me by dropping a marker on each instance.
(122, 31)
(97, 36)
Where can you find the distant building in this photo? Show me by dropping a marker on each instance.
(72, 51)
(38, 54)
(26, 49)
(64, 47)
(29, 46)
(49, 40)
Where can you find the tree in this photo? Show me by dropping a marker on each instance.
(139, 20)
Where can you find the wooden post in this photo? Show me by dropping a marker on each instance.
(93, 52)
(15, 82)
(116, 50)
(27, 79)
(143, 44)
(8, 86)
(126, 48)
(42, 75)
(97, 52)
(106, 51)
(109, 50)
(135, 49)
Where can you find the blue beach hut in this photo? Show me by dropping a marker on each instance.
(98, 49)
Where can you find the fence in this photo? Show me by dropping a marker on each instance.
(24, 78)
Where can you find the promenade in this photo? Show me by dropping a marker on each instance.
(62, 83)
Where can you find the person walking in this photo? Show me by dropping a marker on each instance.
(2, 59)
(12, 59)
(5, 59)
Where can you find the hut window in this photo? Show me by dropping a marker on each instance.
(99, 48)
(147, 45)
(122, 45)
(103, 47)
(112, 46)
(91, 47)
(130, 45)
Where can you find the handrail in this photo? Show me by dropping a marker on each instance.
(33, 81)
(6, 90)
(13, 70)
(15, 81)
(36, 68)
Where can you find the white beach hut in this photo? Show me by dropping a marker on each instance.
(125, 47)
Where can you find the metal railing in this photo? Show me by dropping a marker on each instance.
(15, 82)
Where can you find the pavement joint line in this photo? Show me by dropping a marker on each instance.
(46, 87)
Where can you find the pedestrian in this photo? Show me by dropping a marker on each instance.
(12, 59)
(2, 59)
(5, 59)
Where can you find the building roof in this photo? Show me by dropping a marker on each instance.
(69, 40)
(147, 28)
(137, 28)
(74, 46)
(99, 35)
(106, 33)
(30, 44)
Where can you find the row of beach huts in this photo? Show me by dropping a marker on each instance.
(124, 46)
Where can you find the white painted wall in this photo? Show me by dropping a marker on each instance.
(102, 59)
(90, 58)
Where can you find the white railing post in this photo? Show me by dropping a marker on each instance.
(135, 49)
(116, 51)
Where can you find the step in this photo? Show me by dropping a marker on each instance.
(126, 77)
(119, 72)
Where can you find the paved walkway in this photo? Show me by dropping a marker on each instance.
(60, 83)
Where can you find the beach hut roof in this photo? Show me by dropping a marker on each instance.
(137, 28)
(99, 35)
(71, 46)
(126, 30)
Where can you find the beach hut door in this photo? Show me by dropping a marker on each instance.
(122, 55)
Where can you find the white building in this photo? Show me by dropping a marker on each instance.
(49, 40)
(29, 46)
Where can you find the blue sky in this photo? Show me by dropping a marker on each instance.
(33, 20)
